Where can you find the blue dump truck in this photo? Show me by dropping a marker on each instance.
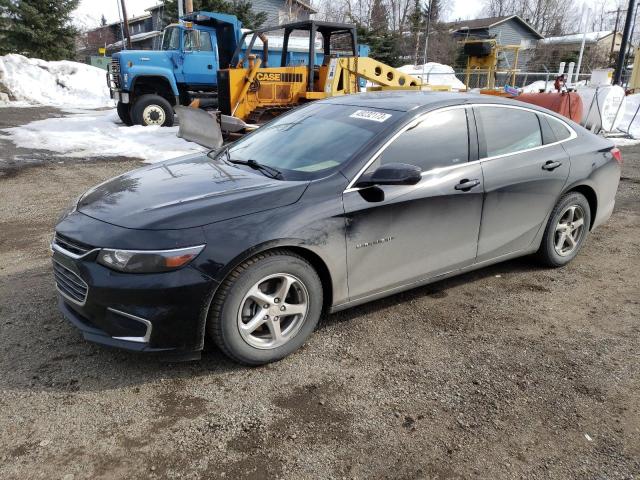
(148, 84)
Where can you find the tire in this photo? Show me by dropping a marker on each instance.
(152, 110)
(234, 305)
(574, 224)
(124, 112)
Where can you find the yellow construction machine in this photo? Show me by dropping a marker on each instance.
(251, 91)
(483, 58)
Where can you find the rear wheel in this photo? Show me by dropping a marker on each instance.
(152, 110)
(124, 112)
(266, 308)
(566, 230)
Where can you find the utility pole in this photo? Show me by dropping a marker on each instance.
(617, 76)
(188, 6)
(426, 40)
(180, 9)
(615, 32)
(125, 24)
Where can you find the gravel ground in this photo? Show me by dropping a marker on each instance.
(512, 371)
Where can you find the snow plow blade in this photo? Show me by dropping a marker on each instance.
(208, 128)
(200, 127)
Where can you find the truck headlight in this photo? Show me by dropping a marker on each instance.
(147, 261)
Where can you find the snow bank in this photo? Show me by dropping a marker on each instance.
(30, 81)
(100, 134)
(434, 74)
(535, 87)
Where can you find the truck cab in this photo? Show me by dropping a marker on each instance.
(147, 84)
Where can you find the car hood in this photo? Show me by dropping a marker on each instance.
(186, 192)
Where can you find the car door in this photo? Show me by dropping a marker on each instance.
(200, 62)
(400, 234)
(524, 172)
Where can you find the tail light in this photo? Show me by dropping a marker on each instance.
(617, 154)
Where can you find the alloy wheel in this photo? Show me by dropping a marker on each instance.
(273, 311)
(569, 230)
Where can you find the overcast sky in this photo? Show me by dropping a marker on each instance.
(89, 12)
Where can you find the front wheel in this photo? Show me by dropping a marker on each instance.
(124, 112)
(566, 230)
(266, 308)
(152, 110)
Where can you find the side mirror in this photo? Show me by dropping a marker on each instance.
(392, 174)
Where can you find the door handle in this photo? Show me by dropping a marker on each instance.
(551, 165)
(465, 184)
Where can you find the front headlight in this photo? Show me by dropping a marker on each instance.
(147, 261)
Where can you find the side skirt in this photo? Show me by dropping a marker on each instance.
(426, 281)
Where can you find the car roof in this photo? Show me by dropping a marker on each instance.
(408, 100)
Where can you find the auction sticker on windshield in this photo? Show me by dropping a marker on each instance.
(370, 115)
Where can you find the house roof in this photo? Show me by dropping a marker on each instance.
(591, 37)
(139, 18)
(490, 22)
(138, 37)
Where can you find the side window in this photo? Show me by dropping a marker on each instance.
(440, 140)
(507, 130)
(190, 42)
(205, 42)
(560, 131)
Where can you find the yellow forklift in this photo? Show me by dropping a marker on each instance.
(251, 92)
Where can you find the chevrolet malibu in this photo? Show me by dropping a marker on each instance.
(334, 204)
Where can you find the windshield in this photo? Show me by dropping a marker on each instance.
(171, 39)
(313, 140)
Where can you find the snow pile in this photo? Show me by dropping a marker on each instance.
(30, 81)
(536, 87)
(100, 134)
(434, 74)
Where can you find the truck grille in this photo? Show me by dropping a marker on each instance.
(115, 72)
(71, 246)
(70, 285)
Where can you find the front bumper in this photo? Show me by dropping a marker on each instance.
(157, 312)
(119, 96)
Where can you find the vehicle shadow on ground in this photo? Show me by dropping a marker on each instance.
(63, 361)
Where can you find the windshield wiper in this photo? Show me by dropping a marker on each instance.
(217, 152)
(266, 169)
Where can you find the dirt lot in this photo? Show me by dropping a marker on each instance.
(510, 372)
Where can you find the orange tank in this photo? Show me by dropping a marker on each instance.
(567, 104)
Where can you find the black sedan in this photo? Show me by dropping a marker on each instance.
(332, 205)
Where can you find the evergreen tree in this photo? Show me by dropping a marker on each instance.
(38, 28)
(243, 9)
(379, 17)
(383, 44)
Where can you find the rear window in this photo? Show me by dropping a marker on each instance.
(507, 130)
(311, 141)
(560, 131)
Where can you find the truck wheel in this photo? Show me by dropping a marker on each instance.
(124, 112)
(152, 110)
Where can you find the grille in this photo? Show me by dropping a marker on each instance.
(69, 284)
(71, 246)
(115, 71)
